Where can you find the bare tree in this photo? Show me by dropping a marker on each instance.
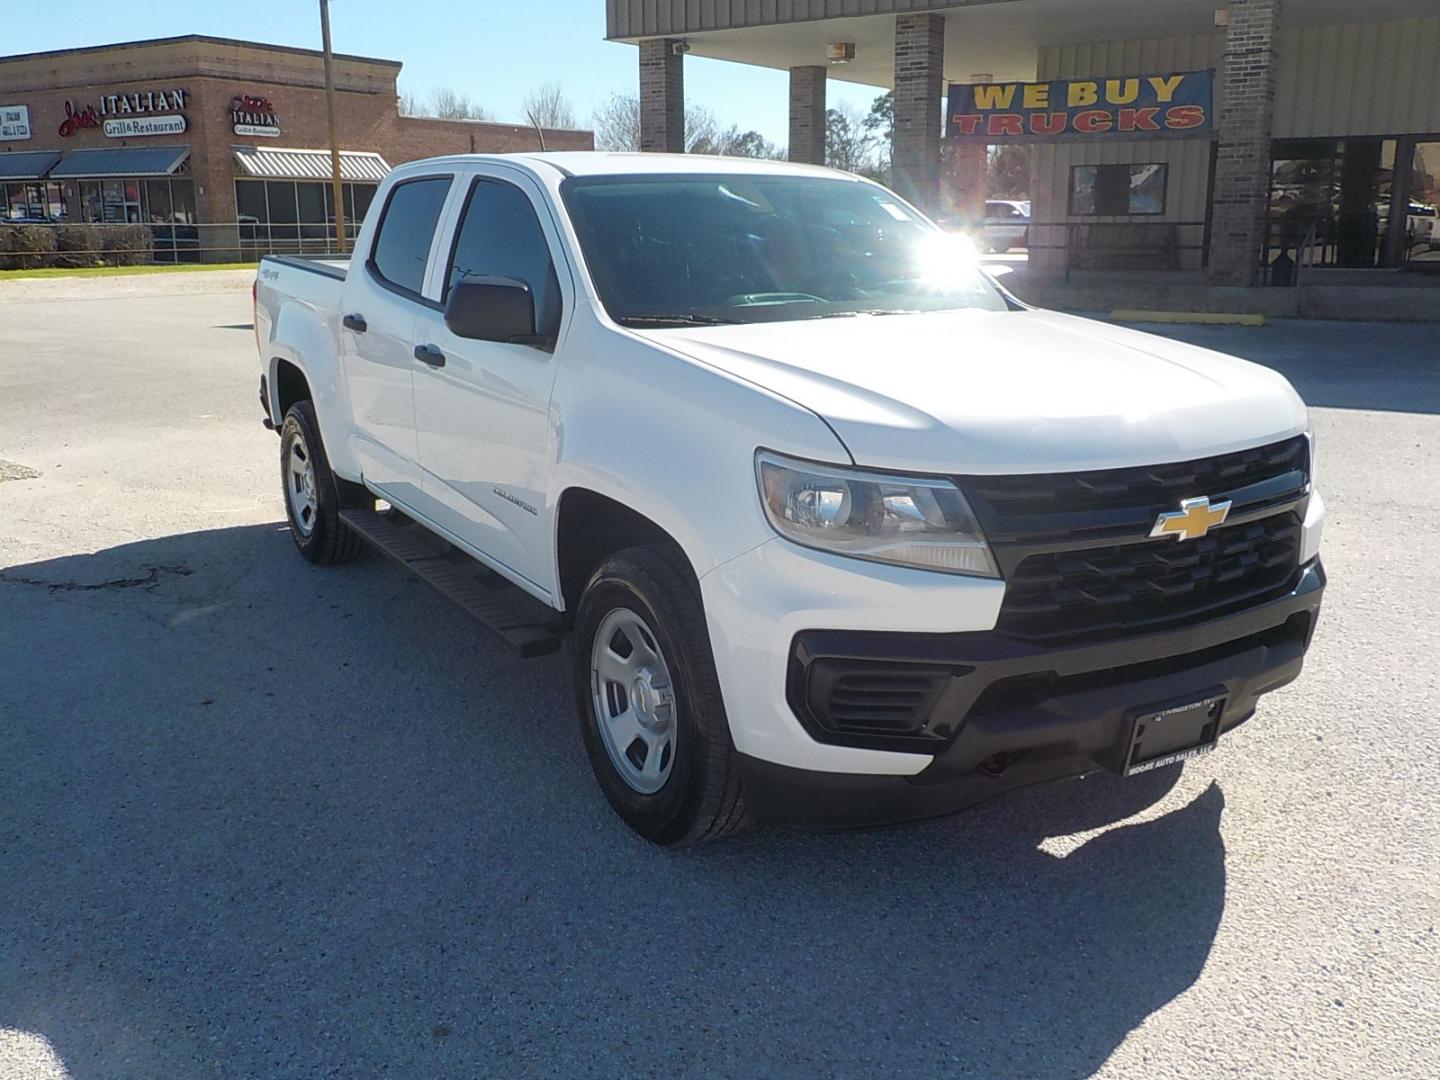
(848, 145)
(448, 105)
(410, 104)
(710, 138)
(617, 123)
(547, 107)
(617, 127)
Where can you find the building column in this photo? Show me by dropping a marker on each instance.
(919, 81)
(807, 114)
(662, 95)
(1242, 159)
(965, 176)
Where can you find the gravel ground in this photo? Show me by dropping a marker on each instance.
(263, 819)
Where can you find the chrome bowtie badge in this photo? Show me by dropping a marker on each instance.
(1193, 520)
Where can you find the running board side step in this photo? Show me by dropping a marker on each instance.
(523, 622)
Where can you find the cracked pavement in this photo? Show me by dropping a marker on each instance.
(263, 819)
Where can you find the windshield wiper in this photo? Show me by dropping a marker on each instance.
(675, 320)
(872, 311)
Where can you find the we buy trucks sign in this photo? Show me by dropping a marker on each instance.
(1131, 105)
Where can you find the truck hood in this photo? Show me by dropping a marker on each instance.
(1013, 391)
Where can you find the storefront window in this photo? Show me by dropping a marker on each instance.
(38, 200)
(1118, 190)
(1330, 201)
(1422, 220)
(311, 204)
(296, 215)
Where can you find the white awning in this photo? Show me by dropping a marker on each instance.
(278, 163)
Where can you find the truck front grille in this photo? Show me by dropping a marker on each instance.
(1129, 588)
(1079, 565)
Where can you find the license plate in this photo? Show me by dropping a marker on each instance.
(1163, 735)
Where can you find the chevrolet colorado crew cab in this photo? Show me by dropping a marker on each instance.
(840, 532)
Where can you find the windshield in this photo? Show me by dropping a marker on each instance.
(692, 249)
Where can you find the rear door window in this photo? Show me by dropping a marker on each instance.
(407, 226)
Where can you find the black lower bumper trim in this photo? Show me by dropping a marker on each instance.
(1031, 716)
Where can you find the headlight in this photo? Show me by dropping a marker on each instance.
(906, 520)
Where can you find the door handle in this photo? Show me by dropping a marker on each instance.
(355, 322)
(430, 354)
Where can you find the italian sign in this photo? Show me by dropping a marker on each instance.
(252, 115)
(122, 106)
(14, 122)
(126, 127)
(1133, 105)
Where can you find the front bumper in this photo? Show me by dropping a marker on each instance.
(1010, 715)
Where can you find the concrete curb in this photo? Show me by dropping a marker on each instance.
(1215, 318)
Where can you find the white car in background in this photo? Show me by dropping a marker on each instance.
(1007, 224)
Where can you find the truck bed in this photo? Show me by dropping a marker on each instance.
(336, 266)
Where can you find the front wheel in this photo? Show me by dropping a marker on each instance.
(650, 709)
(312, 492)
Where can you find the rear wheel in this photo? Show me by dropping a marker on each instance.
(651, 714)
(312, 492)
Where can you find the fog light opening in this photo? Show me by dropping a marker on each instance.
(995, 764)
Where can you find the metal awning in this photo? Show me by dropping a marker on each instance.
(278, 163)
(122, 161)
(28, 164)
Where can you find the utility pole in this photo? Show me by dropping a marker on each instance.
(336, 191)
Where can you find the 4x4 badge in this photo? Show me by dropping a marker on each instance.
(1193, 520)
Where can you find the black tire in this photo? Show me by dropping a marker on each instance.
(701, 798)
(324, 540)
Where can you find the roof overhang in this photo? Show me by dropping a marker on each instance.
(282, 163)
(1000, 38)
(121, 161)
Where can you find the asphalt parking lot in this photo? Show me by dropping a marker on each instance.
(263, 819)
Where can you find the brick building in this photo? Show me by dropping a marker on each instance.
(194, 131)
(1233, 136)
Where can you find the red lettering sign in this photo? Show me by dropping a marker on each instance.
(1048, 123)
(1093, 120)
(1185, 116)
(250, 103)
(75, 120)
(965, 123)
(1005, 124)
(1139, 119)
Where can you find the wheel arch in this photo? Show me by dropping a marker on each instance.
(590, 526)
(303, 364)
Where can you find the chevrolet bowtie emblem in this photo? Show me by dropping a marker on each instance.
(1193, 520)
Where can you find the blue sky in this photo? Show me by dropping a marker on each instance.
(492, 50)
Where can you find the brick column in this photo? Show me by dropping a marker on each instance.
(919, 78)
(1242, 161)
(662, 96)
(807, 115)
(966, 182)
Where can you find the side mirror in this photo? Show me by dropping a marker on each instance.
(492, 309)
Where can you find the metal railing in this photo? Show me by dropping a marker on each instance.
(1070, 238)
(28, 245)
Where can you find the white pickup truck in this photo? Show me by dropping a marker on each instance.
(841, 532)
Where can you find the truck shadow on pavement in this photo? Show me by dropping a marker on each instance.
(258, 818)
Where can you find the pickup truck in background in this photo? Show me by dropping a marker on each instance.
(841, 532)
